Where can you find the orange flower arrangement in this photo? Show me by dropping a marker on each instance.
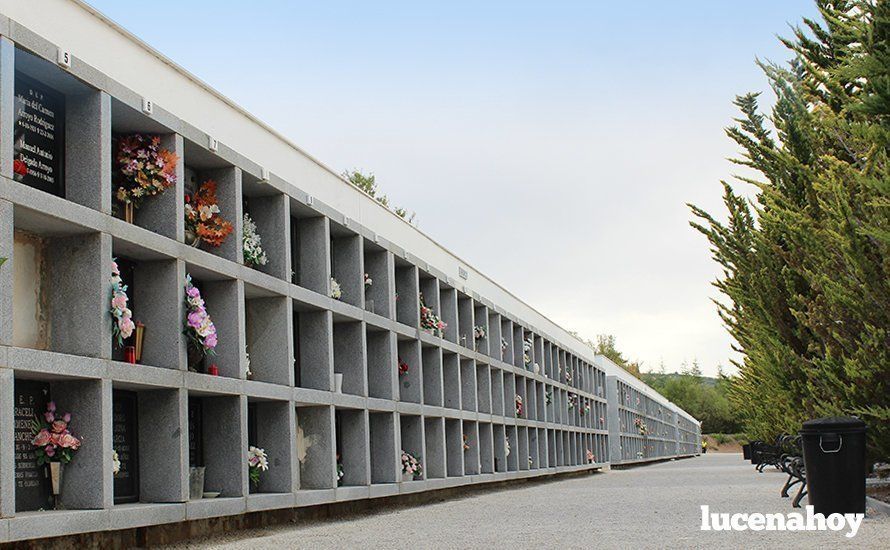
(202, 220)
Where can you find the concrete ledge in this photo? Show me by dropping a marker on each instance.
(351, 493)
(269, 501)
(306, 396)
(314, 497)
(384, 490)
(127, 516)
(53, 523)
(642, 462)
(215, 507)
(145, 375)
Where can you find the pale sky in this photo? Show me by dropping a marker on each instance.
(552, 145)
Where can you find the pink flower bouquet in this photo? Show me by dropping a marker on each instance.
(122, 318)
(198, 326)
(53, 440)
(429, 320)
(411, 465)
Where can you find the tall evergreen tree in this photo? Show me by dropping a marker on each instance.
(805, 264)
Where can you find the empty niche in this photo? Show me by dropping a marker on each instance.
(451, 374)
(310, 249)
(382, 362)
(315, 447)
(407, 294)
(497, 392)
(454, 447)
(483, 388)
(61, 291)
(468, 384)
(268, 320)
(313, 348)
(432, 375)
(385, 465)
(434, 438)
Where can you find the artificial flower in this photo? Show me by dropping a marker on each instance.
(144, 168)
(254, 255)
(202, 220)
(336, 291)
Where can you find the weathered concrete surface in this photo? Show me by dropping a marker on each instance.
(654, 506)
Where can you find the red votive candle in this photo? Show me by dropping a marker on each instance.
(130, 354)
(213, 370)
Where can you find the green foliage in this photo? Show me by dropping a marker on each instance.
(704, 398)
(806, 268)
(2, 261)
(605, 345)
(368, 184)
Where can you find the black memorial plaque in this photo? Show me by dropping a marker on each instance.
(196, 432)
(39, 152)
(125, 439)
(32, 486)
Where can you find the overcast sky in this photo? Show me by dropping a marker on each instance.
(553, 145)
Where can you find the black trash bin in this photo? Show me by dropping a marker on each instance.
(746, 451)
(834, 457)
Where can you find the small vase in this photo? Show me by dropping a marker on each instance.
(369, 305)
(129, 212)
(338, 382)
(195, 358)
(55, 475)
(196, 482)
(407, 477)
(191, 238)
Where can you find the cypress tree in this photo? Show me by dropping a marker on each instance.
(806, 268)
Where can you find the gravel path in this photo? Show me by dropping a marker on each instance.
(655, 506)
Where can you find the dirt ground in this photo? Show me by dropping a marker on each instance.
(881, 492)
(714, 447)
